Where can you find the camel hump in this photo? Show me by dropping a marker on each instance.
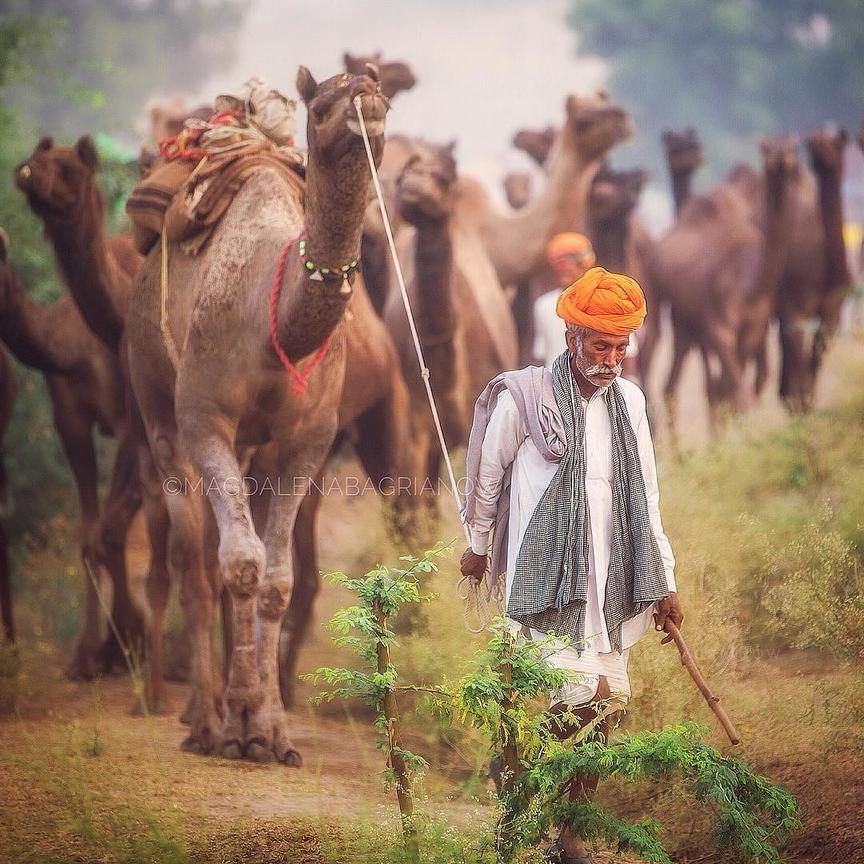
(488, 295)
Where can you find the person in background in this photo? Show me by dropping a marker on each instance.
(569, 255)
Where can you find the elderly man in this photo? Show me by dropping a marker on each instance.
(561, 471)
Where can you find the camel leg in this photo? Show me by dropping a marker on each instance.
(793, 366)
(120, 506)
(682, 342)
(6, 588)
(724, 382)
(184, 497)
(306, 587)
(649, 336)
(158, 578)
(208, 436)
(76, 437)
(295, 468)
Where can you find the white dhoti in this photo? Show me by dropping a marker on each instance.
(507, 443)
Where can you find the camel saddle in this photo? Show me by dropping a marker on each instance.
(188, 200)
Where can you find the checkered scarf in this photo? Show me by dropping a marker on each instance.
(550, 581)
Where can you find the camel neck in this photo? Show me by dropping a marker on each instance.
(81, 249)
(609, 237)
(681, 186)
(433, 262)
(335, 200)
(831, 212)
(572, 215)
(30, 331)
(776, 234)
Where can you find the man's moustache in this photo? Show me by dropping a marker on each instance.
(605, 370)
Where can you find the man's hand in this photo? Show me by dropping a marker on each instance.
(668, 609)
(473, 565)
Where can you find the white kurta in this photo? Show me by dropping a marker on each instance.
(507, 442)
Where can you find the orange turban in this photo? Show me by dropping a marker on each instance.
(603, 301)
(569, 243)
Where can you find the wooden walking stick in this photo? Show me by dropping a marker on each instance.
(690, 664)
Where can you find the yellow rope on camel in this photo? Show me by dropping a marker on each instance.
(476, 605)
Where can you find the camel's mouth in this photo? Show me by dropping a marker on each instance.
(374, 128)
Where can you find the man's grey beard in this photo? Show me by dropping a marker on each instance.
(597, 369)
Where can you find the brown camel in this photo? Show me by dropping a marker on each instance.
(816, 280)
(230, 395)
(712, 263)
(8, 391)
(683, 157)
(622, 244)
(61, 188)
(465, 329)
(516, 242)
(592, 128)
(85, 387)
(394, 75)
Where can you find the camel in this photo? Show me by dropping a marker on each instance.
(622, 244)
(393, 75)
(8, 391)
(516, 242)
(86, 392)
(683, 157)
(60, 186)
(714, 263)
(230, 395)
(816, 278)
(570, 157)
(465, 329)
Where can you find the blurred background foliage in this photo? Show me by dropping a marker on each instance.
(734, 69)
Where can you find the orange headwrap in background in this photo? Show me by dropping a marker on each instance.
(569, 243)
(606, 302)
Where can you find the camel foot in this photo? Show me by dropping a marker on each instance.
(204, 732)
(258, 751)
(231, 749)
(84, 666)
(149, 707)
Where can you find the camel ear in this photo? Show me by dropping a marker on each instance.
(450, 147)
(86, 151)
(372, 72)
(842, 136)
(571, 105)
(4, 246)
(46, 142)
(307, 86)
(348, 60)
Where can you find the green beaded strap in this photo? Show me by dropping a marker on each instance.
(320, 273)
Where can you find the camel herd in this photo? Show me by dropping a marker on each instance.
(191, 422)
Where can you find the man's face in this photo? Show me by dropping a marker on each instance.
(598, 356)
(569, 268)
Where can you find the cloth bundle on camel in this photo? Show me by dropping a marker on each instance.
(204, 167)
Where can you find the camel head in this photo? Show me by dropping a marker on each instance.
(780, 158)
(826, 147)
(683, 150)
(395, 76)
(535, 142)
(425, 188)
(594, 125)
(614, 194)
(59, 181)
(517, 188)
(333, 129)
